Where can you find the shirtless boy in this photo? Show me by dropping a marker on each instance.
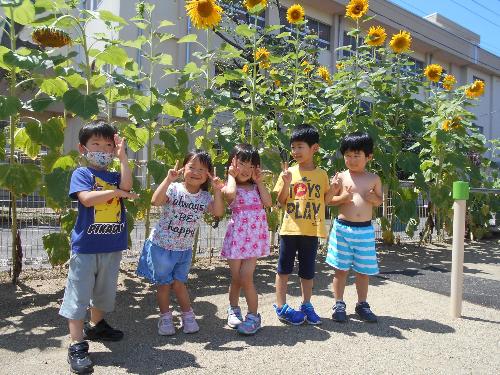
(352, 239)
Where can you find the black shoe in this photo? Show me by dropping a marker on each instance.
(101, 331)
(364, 312)
(339, 314)
(78, 358)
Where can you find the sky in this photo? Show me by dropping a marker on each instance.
(480, 16)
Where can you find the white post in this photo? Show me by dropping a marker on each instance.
(457, 258)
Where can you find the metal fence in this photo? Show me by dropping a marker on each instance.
(35, 220)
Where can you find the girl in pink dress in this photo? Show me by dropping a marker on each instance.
(247, 236)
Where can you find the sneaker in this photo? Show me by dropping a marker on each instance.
(311, 316)
(363, 311)
(166, 325)
(101, 331)
(339, 314)
(251, 324)
(189, 322)
(78, 358)
(234, 318)
(289, 315)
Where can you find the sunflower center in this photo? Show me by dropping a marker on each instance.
(358, 9)
(295, 14)
(205, 8)
(400, 43)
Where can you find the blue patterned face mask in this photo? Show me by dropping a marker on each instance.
(99, 158)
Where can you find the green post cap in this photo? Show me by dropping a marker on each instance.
(460, 190)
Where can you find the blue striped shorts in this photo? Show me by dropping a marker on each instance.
(352, 246)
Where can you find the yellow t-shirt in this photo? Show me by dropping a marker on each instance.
(305, 205)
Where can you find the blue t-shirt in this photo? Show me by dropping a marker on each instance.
(103, 227)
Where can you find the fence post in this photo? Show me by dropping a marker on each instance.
(460, 196)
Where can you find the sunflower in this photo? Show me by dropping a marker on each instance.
(339, 65)
(449, 81)
(50, 37)
(295, 14)
(324, 73)
(245, 69)
(249, 4)
(400, 42)
(277, 82)
(454, 123)
(433, 72)
(204, 14)
(376, 36)
(475, 90)
(307, 67)
(198, 110)
(262, 56)
(356, 9)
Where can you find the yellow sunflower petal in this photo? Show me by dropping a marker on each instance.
(433, 72)
(249, 4)
(400, 42)
(356, 9)
(324, 73)
(204, 14)
(295, 14)
(376, 36)
(475, 90)
(449, 81)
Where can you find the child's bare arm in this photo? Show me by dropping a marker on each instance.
(286, 175)
(92, 198)
(374, 196)
(125, 172)
(230, 189)
(345, 197)
(335, 189)
(216, 208)
(159, 197)
(265, 197)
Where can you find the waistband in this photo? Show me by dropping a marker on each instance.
(247, 207)
(357, 224)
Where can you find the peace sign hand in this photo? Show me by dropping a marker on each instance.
(336, 183)
(120, 147)
(233, 169)
(286, 175)
(175, 173)
(257, 174)
(217, 183)
(347, 195)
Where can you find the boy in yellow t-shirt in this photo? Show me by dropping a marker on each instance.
(302, 191)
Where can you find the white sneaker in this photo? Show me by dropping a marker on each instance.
(234, 317)
(166, 325)
(189, 322)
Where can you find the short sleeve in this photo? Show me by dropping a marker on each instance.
(327, 182)
(171, 191)
(81, 180)
(279, 183)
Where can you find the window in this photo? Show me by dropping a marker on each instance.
(92, 4)
(313, 27)
(239, 15)
(349, 40)
(416, 70)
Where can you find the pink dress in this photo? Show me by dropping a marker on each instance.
(247, 234)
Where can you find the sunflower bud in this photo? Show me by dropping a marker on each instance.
(50, 37)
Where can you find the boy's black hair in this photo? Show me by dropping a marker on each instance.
(204, 159)
(305, 133)
(357, 141)
(244, 152)
(98, 128)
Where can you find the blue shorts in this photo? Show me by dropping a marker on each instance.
(352, 245)
(306, 247)
(161, 266)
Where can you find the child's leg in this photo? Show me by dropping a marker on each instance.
(96, 315)
(339, 280)
(75, 330)
(306, 287)
(246, 276)
(182, 295)
(235, 286)
(362, 282)
(281, 287)
(288, 250)
(306, 253)
(163, 297)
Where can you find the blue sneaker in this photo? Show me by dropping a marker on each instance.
(250, 325)
(311, 316)
(364, 312)
(289, 315)
(339, 314)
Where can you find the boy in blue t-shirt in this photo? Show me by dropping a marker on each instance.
(97, 240)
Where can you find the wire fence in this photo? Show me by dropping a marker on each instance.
(36, 219)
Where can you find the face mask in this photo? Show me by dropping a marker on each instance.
(99, 158)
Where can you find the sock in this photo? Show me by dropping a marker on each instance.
(166, 314)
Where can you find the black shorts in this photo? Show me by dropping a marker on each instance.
(306, 247)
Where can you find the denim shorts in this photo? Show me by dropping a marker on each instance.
(305, 248)
(161, 266)
(92, 280)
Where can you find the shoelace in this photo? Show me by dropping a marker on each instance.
(340, 307)
(189, 319)
(165, 321)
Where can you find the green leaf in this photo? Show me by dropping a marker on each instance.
(166, 23)
(98, 80)
(57, 188)
(49, 134)
(245, 30)
(20, 178)
(137, 43)
(40, 104)
(54, 86)
(23, 142)
(68, 221)
(108, 16)
(10, 3)
(188, 38)
(57, 247)
(24, 13)
(136, 137)
(9, 105)
(409, 162)
(84, 106)
(166, 59)
(190, 68)
(75, 80)
(66, 162)
(158, 171)
(113, 55)
(182, 141)
(173, 110)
